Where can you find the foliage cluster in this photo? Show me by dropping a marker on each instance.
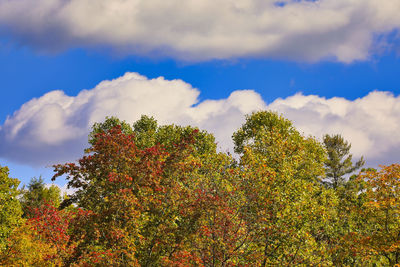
(150, 195)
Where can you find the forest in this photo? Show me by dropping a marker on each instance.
(164, 195)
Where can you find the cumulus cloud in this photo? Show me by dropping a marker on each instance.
(54, 127)
(343, 30)
(370, 123)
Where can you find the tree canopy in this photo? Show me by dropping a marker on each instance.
(162, 195)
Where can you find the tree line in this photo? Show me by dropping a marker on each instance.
(151, 195)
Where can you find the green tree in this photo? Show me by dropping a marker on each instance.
(351, 198)
(38, 194)
(287, 212)
(10, 208)
(280, 144)
(339, 162)
(288, 219)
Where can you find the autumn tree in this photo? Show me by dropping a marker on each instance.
(41, 240)
(10, 208)
(287, 211)
(147, 133)
(36, 194)
(339, 162)
(377, 238)
(288, 219)
(106, 125)
(221, 238)
(280, 144)
(138, 187)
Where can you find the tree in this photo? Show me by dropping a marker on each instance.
(108, 124)
(351, 199)
(139, 196)
(281, 145)
(10, 208)
(339, 162)
(287, 211)
(42, 240)
(221, 238)
(38, 194)
(377, 239)
(147, 133)
(288, 219)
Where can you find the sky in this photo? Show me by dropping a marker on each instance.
(330, 66)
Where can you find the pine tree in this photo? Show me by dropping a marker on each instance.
(339, 161)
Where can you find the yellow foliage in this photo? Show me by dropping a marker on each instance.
(25, 248)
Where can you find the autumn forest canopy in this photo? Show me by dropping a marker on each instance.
(151, 195)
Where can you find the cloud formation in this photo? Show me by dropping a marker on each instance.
(303, 30)
(54, 127)
(370, 123)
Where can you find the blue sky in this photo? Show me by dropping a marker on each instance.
(337, 73)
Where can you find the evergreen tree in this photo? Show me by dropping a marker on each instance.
(38, 194)
(339, 162)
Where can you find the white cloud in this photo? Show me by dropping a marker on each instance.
(342, 30)
(54, 127)
(370, 123)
